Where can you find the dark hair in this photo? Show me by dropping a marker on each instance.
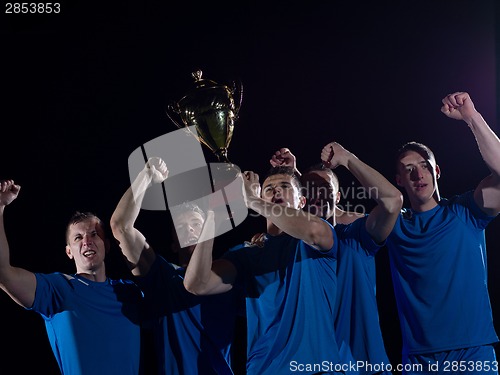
(186, 207)
(78, 217)
(320, 167)
(289, 171)
(417, 147)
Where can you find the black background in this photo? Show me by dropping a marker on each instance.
(84, 88)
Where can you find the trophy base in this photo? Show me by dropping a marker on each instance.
(223, 174)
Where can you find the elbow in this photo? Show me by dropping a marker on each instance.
(194, 287)
(319, 230)
(393, 204)
(115, 225)
(190, 288)
(118, 227)
(194, 284)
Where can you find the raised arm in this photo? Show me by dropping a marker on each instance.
(389, 199)
(18, 283)
(132, 242)
(291, 220)
(203, 276)
(284, 157)
(459, 106)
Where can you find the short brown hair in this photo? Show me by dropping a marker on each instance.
(288, 171)
(78, 217)
(417, 147)
(320, 167)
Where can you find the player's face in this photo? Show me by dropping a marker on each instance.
(321, 193)
(86, 245)
(188, 226)
(417, 176)
(282, 190)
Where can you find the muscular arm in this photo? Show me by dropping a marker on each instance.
(18, 283)
(389, 199)
(346, 217)
(140, 256)
(487, 193)
(203, 276)
(459, 106)
(295, 222)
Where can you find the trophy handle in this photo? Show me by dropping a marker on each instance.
(172, 111)
(237, 91)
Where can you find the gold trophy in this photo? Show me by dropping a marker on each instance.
(212, 109)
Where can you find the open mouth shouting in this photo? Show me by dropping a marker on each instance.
(89, 253)
(191, 240)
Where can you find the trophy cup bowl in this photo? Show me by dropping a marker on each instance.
(212, 109)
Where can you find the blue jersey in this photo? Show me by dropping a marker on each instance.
(290, 290)
(439, 271)
(357, 324)
(93, 327)
(193, 334)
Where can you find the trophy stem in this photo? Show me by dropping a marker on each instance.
(229, 169)
(222, 155)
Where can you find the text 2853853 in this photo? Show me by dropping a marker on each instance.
(32, 8)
